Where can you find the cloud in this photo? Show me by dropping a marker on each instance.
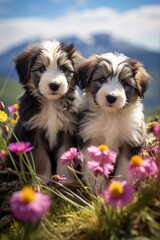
(139, 26)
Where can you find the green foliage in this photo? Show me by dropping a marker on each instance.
(76, 213)
(9, 91)
(102, 222)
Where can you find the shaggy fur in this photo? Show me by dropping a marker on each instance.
(48, 106)
(111, 111)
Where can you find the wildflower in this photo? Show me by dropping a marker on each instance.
(102, 153)
(5, 129)
(29, 206)
(119, 193)
(69, 156)
(100, 167)
(20, 147)
(156, 130)
(140, 168)
(58, 178)
(3, 154)
(102, 160)
(13, 121)
(150, 125)
(3, 116)
(13, 108)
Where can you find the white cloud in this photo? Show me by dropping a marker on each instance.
(139, 26)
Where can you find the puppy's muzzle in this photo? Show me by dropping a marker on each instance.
(54, 86)
(111, 99)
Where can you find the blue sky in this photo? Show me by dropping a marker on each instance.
(54, 8)
(136, 21)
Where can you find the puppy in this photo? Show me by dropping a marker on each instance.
(48, 106)
(111, 111)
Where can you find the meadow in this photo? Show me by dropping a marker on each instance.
(9, 90)
(73, 211)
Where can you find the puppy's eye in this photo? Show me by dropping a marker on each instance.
(124, 83)
(102, 80)
(64, 68)
(42, 69)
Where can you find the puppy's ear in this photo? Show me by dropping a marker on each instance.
(23, 64)
(68, 48)
(141, 76)
(72, 53)
(86, 71)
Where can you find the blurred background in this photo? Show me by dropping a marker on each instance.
(129, 27)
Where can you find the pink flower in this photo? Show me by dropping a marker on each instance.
(100, 167)
(69, 156)
(13, 108)
(102, 153)
(139, 168)
(20, 147)
(156, 130)
(119, 193)
(28, 205)
(102, 160)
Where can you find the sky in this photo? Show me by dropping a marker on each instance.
(135, 21)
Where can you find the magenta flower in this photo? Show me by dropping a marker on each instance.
(102, 160)
(20, 147)
(102, 153)
(139, 168)
(13, 108)
(156, 130)
(29, 206)
(69, 156)
(119, 193)
(100, 167)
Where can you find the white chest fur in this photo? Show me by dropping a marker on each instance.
(113, 129)
(51, 119)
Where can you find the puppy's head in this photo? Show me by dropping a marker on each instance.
(114, 81)
(48, 69)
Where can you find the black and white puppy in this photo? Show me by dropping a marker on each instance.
(111, 111)
(48, 106)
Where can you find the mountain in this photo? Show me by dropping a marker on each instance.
(100, 43)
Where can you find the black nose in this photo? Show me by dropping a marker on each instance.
(111, 99)
(54, 86)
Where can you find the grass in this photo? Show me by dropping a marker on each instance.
(78, 214)
(9, 91)
(97, 222)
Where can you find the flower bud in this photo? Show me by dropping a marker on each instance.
(2, 107)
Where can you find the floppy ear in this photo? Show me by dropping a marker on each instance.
(68, 48)
(86, 70)
(141, 76)
(23, 64)
(77, 59)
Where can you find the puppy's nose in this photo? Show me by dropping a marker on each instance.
(54, 86)
(111, 99)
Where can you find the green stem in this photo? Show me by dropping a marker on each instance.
(22, 168)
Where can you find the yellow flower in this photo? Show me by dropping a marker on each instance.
(3, 116)
(151, 124)
(116, 189)
(16, 105)
(102, 147)
(28, 195)
(14, 121)
(136, 160)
